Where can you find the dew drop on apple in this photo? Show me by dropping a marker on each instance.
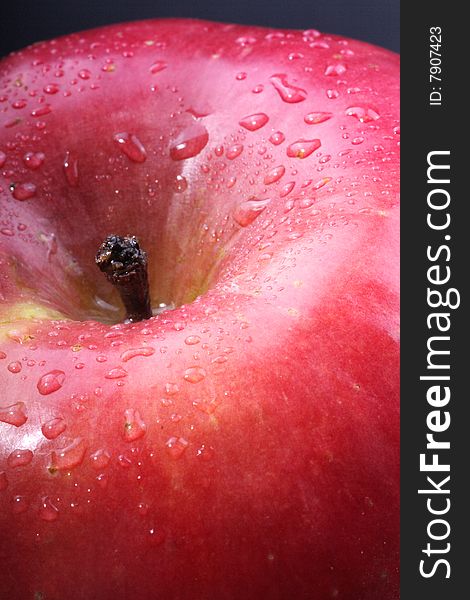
(48, 511)
(240, 76)
(332, 94)
(133, 352)
(68, 457)
(194, 374)
(180, 184)
(116, 373)
(191, 340)
(134, 426)
(51, 88)
(51, 382)
(189, 143)
(362, 114)
(84, 74)
(42, 111)
(246, 212)
(277, 138)
(53, 428)
(176, 446)
(131, 146)
(19, 458)
(254, 122)
(100, 459)
(234, 151)
(287, 189)
(13, 414)
(314, 118)
(3, 481)
(335, 70)
(70, 167)
(14, 367)
(23, 191)
(274, 174)
(303, 148)
(33, 160)
(157, 66)
(288, 92)
(19, 504)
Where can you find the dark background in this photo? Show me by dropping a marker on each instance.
(25, 21)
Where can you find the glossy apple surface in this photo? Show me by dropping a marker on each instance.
(244, 443)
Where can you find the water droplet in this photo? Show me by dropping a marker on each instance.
(176, 446)
(33, 160)
(3, 481)
(303, 148)
(332, 94)
(274, 175)
(362, 114)
(288, 92)
(19, 104)
(258, 88)
(71, 169)
(194, 374)
(356, 141)
(19, 458)
(314, 118)
(234, 151)
(51, 88)
(131, 146)
(158, 66)
(69, 457)
(306, 202)
(51, 382)
(248, 211)
(116, 373)
(320, 183)
(294, 56)
(100, 459)
(41, 111)
(337, 69)
(19, 505)
(13, 414)
(171, 389)
(84, 74)
(191, 340)
(240, 76)
(287, 189)
(134, 426)
(180, 184)
(53, 428)
(48, 511)
(23, 191)
(133, 352)
(15, 367)
(254, 122)
(277, 138)
(190, 142)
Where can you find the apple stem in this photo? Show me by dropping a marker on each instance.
(125, 265)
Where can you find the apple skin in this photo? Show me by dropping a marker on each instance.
(246, 443)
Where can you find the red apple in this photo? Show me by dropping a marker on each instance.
(244, 443)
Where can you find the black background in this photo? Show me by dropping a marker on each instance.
(25, 21)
